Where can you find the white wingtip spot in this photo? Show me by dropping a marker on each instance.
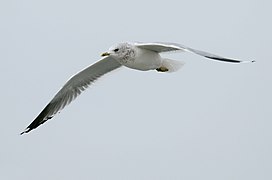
(253, 61)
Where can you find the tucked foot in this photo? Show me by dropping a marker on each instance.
(162, 69)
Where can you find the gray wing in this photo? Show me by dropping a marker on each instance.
(168, 47)
(73, 87)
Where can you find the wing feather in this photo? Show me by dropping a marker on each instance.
(168, 47)
(73, 88)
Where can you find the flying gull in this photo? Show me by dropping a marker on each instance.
(139, 56)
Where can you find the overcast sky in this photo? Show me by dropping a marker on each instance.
(209, 121)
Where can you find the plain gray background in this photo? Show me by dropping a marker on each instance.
(210, 120)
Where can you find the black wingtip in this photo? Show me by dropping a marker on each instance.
(224, 59)
(230, 60)
(25, 131)
(40, 119)
(34, 125)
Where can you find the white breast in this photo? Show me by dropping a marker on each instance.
(144, 60)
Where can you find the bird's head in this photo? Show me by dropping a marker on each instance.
(122, 51)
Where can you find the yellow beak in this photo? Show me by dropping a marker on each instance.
(105, 54)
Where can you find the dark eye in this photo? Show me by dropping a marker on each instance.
(116, 50)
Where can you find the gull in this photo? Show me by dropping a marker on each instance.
(138, 55)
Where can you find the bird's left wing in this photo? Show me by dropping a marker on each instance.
(161, 47)
(73, 87)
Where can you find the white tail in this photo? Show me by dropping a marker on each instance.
(172, 65)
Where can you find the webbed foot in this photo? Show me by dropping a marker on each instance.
(162, 69)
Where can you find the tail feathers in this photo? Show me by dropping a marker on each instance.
(172, 65)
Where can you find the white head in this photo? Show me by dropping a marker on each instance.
(121, 52)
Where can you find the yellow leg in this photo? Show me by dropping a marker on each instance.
(162, 69)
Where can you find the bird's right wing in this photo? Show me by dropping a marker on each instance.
(73, 87)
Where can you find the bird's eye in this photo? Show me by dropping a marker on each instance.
(116, 50)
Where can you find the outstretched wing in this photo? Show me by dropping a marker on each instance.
(73, 87)
(168, 47)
